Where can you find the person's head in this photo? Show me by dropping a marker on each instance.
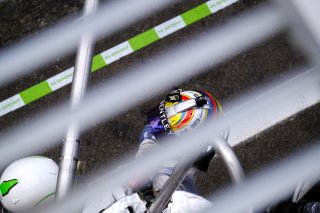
(183, 111)
(28, 183)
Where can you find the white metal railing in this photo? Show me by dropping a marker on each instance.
(242, 33)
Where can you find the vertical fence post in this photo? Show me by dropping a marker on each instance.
(71, 145)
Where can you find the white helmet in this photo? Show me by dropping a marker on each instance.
(27, 183)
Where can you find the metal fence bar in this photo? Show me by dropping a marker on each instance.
(63, 38)
(270, 184)
(173, 182)
(71, 144)
(239, 34)
(303, 19)
(226, 153)
(274, 93)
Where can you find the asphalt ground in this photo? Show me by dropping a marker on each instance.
(108, 142)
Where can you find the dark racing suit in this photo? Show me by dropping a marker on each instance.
(149, 142)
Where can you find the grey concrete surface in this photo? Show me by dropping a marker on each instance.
(108, 142)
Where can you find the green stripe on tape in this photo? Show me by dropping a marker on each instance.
(97, 63)
(143, 39)
(196, 14)
(35, 92)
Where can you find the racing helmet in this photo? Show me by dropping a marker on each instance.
(183, 111)
(28, 183)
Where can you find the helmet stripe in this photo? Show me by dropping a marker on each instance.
(44, 198)
(7, 185)
(187, 118)
(183, 114)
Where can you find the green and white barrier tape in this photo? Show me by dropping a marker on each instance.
(115, 53)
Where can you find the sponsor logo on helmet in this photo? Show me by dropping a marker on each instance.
(163, 117)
